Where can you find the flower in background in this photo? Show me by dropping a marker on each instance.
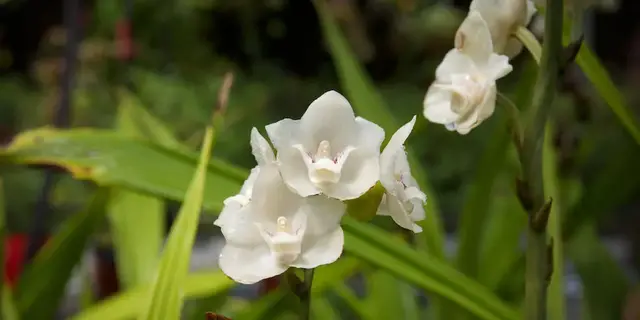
(329, 150)
(403, 199)
(464, 91)
(503, 18)
(278, 229)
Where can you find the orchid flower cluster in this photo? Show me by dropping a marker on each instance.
(289, 209)
(464, 91)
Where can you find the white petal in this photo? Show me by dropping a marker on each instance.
(455, 61)
(473, 38)
(238, 226)
(247, 186)
(271, 197)
(249, 265)
(284, 133)
(387, 157)
(497, 67)
(295, 172)
(329, 117)
(488, 105)
(260, 148)
(321, 250)
(323, 214)
(360, 172)
(437, 105)
(399, 215)
(370, 135)
(531, 11)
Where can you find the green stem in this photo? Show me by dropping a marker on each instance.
(529, 40)
(538, 266)
(304, 293)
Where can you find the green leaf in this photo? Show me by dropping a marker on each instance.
(556, 309)
(137, 249)
(427, 272)
(605, 87)
(166, 298)
(43, 282)
(475, 212)
(9, 309)
(369, 104)
(321, 308)
(130, 304)
(109, 158)
(365, 241)
(353, 302)
(385, 298)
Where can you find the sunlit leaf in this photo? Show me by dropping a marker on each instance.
(166, 296)
(42, 285)
(130, 304)
(370, 105)
(138, 249)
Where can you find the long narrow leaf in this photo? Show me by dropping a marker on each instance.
(166, 298)
(42, 285)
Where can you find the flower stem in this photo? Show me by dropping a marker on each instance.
(530, 188)
(305, 295)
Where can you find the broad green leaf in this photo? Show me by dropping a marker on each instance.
(365, 241)
(166, 298)
(370, 105)
(138, 249)
(556, 293)
(130, 304)
(43, 282)
(109, 158)
(137, 229)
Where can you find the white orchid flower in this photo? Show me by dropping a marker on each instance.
(264, 156)
(278, 229)
(464, 91)
(503, 18)
(403, 199)
(329, 150)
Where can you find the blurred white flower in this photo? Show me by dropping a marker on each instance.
(464, 91)
(278, 229)
(403, 200)
(503, 18)
(329, 150)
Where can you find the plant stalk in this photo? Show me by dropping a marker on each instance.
(531, 193)
(304, 293)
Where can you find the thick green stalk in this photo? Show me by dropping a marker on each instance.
(538, 266)
(305, 295)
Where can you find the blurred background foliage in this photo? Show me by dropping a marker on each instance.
(276, 50)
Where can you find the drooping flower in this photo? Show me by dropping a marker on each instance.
(278, 229)
(403, 199)
(329, 150)
(464, 91)
(503, 18)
